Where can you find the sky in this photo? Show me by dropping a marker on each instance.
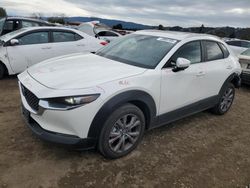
(183, 13)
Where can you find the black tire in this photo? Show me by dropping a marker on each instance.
(117, 138)
(226, 100)
(2, 71)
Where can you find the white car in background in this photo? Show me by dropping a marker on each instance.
(25, 47)
(238, 46)
(245, 64)
(101, 31)
(138, 82)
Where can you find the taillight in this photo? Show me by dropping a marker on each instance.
(104, 43)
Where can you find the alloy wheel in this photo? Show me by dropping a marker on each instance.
(124, 133)
(227, 99)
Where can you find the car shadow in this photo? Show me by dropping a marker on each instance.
(9, 77)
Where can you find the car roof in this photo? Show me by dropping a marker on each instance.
(48, 27)
(177, 35)
(27, 29)
(28, 19)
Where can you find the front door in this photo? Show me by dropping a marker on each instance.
(180, 89)
(32, 48)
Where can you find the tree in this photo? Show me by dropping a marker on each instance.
(36, 15)
(202, 29)
(232, 35)
(160, 27)
(118, 26)
(56, 20)
(3, 12)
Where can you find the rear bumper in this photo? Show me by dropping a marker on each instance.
(245, 77)
(62, 139)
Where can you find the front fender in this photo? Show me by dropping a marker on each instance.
(135, 97)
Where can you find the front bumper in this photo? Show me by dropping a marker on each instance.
(58, 138)
(75, 122)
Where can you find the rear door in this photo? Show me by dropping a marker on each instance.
(33, 48)
(67, 42)
(217, 67)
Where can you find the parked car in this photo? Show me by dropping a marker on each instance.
(238, 46)
(141, 81)
(10, 24)
(245, 64)
(25, 47)
(101, 31)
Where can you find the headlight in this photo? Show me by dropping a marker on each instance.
(72, 101)
(67, 103)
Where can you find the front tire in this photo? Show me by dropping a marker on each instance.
(122, 131)
(225, 101)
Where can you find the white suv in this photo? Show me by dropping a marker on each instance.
(141, 81)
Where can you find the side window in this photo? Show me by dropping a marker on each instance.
(190, 51)
(234, 43)
(11, 25)
(102, 34)
(60, 36)
(34, 38)
(29, 24)
(213, 51)
(78, 37)
(107, 34)
(225, 50)
(111, 34)
(245, 44)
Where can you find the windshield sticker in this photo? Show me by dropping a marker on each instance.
(172, 41)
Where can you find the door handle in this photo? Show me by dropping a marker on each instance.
(46, 48)
(201, 74)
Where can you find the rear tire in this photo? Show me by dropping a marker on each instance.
(2, 71)
(226, 100)
(122, 132)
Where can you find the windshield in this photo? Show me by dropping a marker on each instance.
(139, 50)
(1, 24)
(247, 52)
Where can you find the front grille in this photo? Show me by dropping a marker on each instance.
(31, 99)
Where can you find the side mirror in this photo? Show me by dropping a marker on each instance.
(181, 64)
(14, 42)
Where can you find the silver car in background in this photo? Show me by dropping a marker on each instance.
(245, 64)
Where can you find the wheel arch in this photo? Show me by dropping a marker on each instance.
(234, 78)
(6, 71)
(141, 99)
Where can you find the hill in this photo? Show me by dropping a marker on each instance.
(109, 22)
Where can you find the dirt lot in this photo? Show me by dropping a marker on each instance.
(200, 151)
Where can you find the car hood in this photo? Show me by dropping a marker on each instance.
(80, 71)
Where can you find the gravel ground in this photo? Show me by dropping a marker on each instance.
(199, 151)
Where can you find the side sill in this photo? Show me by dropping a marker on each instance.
(189, 110)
